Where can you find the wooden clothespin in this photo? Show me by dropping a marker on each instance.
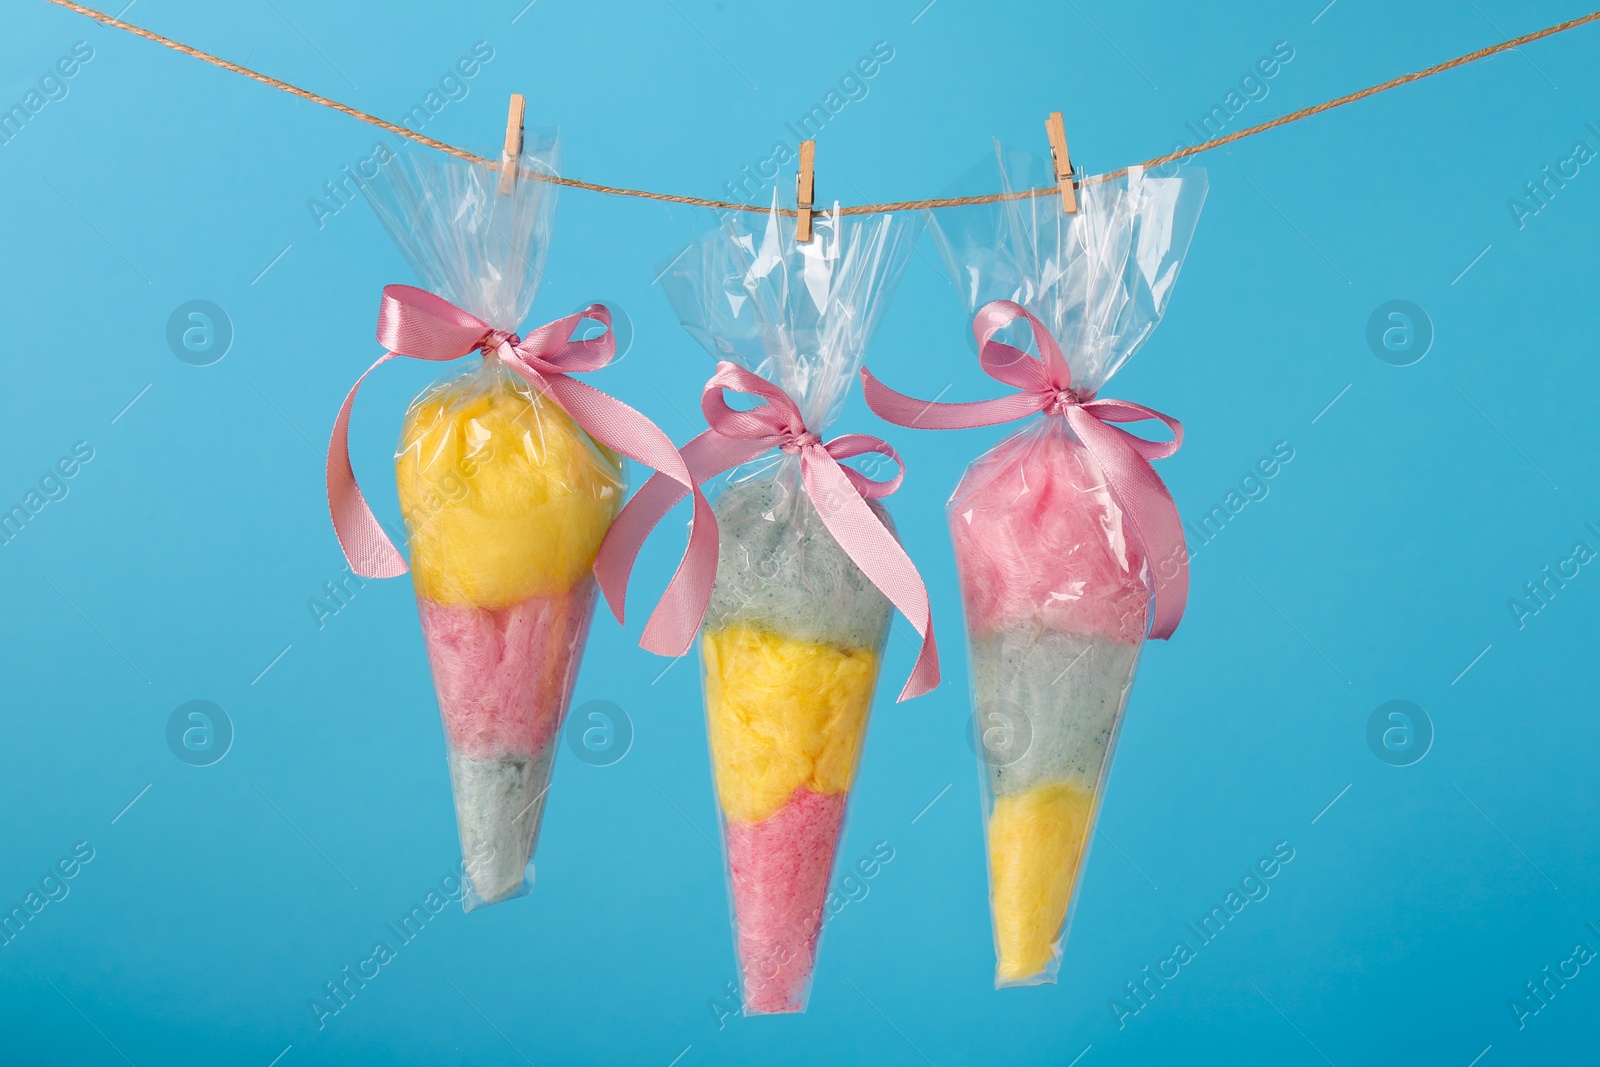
(510, 158)
(1057, 131)
(805, 191)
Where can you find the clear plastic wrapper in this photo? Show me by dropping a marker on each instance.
(506, 501)
(795, 632)
(1055, 586)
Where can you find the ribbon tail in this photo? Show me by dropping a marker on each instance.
(1156, 523)
(682, 608)
(1172, 591)
(677, 616)
(903, 410)
(1150, 509)
(616, 425)
(623, 429)
(613, 566)
(881, 558)
(367, 548)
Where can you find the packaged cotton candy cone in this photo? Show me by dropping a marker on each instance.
(1068, 545)
(1052, 584)
(509, 477)
(791, 650)
(505, 501)
(795, 629)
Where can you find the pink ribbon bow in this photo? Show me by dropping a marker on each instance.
(839, 494)
(417, 324)
(1045, 384)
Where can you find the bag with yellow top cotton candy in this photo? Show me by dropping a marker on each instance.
(505, 499)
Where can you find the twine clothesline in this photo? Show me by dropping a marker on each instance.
(849, 209)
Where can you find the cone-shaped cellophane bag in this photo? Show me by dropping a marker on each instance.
(795, 632)
(506, 501)
(1055, 585)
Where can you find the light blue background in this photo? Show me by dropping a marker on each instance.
(1416, 907)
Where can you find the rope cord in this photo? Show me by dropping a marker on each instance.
(853, 209)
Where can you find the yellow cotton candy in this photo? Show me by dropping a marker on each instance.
(1036, 840)
(504, 496)
(781, 714)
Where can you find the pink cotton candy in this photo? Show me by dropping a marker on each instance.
(1040, 542)
(504, 675)
(780, 869)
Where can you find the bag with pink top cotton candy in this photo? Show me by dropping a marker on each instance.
(1068, 546)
